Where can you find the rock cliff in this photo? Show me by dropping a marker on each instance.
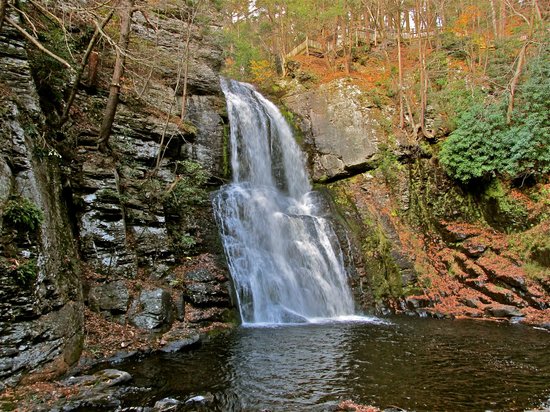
(128, 234)
(41, 304)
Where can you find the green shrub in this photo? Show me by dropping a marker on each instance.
(22, 214)
(25, 273)
(189, 189)
(185, 243)
(485, 145)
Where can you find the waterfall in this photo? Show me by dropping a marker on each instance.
(284, 258)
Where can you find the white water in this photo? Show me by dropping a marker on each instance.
(284, 258)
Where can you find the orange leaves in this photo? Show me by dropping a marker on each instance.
(466, 20)
(261, 71)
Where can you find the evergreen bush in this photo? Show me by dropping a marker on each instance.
(484, 145)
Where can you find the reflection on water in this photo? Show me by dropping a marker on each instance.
(416, 364)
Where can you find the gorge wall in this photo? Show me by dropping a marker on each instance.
(121, 246)
(41, 304)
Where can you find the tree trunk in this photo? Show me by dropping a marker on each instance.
(126, 10)
(400, 71)
(3, 7)
(514, 82)
(80, 71)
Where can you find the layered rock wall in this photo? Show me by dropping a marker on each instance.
(41, 305)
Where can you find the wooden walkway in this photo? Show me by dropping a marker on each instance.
(315, 48)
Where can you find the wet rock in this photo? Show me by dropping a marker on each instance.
(503, 311)
(473, 248)
(100, 380)
(471, 302)
(416, 302)
(167, 404)
(202, 110)
(214, 314)
(96, 401)
(112, 297)
(200, 399)
(205, 288)
(121, 356)
(153, 309)
(182, 344)
(179, 304)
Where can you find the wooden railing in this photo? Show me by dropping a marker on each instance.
(314, 47)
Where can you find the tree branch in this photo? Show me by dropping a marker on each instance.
(83, 64)
(38, 45)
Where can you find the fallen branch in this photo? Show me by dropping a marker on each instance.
(38, 45)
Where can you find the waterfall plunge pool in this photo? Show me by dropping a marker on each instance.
(415, 364)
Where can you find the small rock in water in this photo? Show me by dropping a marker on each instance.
(200, 399)
(167, 404)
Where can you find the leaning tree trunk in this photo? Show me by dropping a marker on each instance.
(3, 7)
(126, 9)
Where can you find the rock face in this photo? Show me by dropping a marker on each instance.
(125, 211)
(112, 297)
(41, 304)
(342, 128)
(153, 309)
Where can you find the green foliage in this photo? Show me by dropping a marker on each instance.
(501, 59)
(452, 98)
(22, 214)
(484, 145)
(25, 273)
(241, 53)
(189, 190)
(185, 243)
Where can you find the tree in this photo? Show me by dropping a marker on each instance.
(125, 12)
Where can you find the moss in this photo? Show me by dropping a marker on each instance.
(291, 120)
(386, 276)
(501, 211)
(434, 198)
(383, 275)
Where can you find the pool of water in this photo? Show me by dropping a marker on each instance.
(415, 364)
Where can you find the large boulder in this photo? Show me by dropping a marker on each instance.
(152, 310)
(342, 126)
(112, 297)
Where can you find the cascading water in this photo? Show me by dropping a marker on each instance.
(284, 258)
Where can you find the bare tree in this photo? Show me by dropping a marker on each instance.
(3, 7)
(80, 71)
(125, 11)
